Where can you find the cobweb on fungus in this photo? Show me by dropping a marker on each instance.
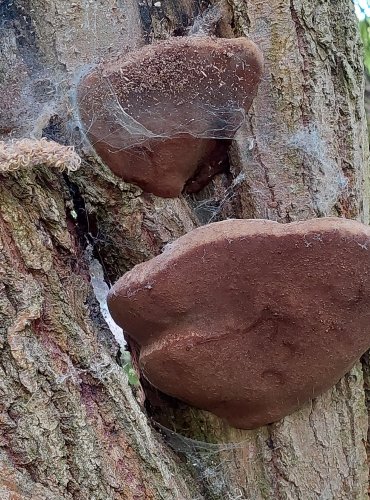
(209, 122)
(136, 118)
(193, 86)
(134, 110)
(159, 99)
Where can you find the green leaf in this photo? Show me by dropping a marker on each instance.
(365, 35)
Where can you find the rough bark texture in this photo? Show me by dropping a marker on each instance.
(70, 425)
(367, 98)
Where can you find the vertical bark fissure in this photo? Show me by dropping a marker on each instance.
(300, 35)
(271, 203)
(304, 105)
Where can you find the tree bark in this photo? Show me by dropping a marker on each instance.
(71, 424)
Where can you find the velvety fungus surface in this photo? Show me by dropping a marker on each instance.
(250, 319)
(163, 116)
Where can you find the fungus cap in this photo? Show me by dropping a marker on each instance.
(166, 111)
(250, 319)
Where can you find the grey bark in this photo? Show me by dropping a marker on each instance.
(71, 426)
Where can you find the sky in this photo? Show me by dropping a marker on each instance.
(362, 7)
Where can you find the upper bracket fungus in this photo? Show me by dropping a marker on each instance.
(250, 319)
(166, 113)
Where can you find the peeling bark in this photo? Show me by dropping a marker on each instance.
(71, 426)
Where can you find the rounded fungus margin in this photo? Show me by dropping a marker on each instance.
(163, 116)
(250, 319)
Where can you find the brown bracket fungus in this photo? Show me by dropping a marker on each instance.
(250, 319)
(166, 113)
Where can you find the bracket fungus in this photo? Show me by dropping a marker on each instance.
(163, 116)
(250, 319)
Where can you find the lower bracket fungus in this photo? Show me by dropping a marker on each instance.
(250, 319)
(163, 116)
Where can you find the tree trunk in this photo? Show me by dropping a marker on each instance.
(71, 424)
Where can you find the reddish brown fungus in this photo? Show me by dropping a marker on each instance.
(168, 111)
(251, 319)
